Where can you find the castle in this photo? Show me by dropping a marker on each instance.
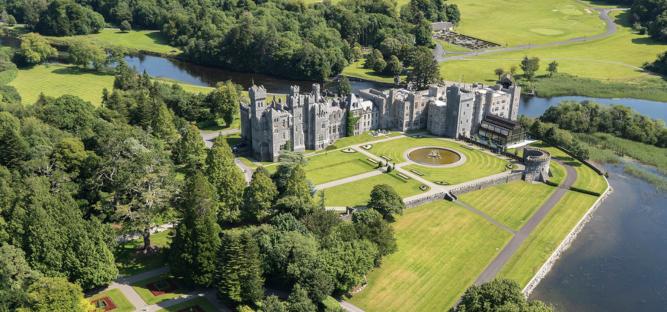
(308, 121)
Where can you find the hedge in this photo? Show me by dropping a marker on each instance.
(552, 183)
(576, 189)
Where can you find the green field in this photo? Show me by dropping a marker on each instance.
(477, 165)
(118, 298)
(152, 41)
(129, 263)
(546, 237)
(357, 69)
(147, 295)
(442, 248)
(57, 79)
(334, 165)
(357, 193)
(586, 178)
(558, 171)
(510, 204)
(521, 22)
(201, 302)
(359, 139)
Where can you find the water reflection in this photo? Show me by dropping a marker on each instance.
(617, 263)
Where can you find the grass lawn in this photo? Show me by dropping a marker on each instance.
(442, 248)
(201, 302)
(521, 22)
(334, 165)
(357, 193)
(147, 295)
(357, 69)
(510, 204)
(359, 139)
(542, 242)
(558, 171)
(586, 178)
(477, 165)
(152, 41)
(129, 263)
(236, 124)
(247, 161)
(57, 79)
(121, 302)
(452, 47)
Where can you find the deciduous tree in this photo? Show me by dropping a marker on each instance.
(259, 196)
(530, 66)
(499, 72)
(386, 201)
(83, 53)
(125, 26)
(425, 69)
(498, 295)
(553, 68)
(224, 101)
(35, 48)
(344, 87)
(56, 294)
(298, 301)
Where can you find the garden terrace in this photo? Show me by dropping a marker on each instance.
(357, 193)
(121, 303)
(331, 166)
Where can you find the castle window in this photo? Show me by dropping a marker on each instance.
(283, 135)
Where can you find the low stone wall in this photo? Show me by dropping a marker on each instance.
(490, 183)
(425, 200)
(546, 267)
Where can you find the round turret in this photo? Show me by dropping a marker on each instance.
(537, 164)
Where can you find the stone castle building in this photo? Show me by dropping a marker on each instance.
(308, 121)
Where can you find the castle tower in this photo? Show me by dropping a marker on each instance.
(316, 92)
(459, 114)
(257, 96)
(515, 91)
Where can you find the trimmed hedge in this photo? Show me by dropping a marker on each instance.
(553, 183)
(576, 189)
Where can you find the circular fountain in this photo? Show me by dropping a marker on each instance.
(435, 156)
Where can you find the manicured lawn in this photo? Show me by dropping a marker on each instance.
(147, 295)
(359, 139)
(121, 302)
(57, 79)
(558, 171)
(442, 248)
(357, 69)
(544, 240)
(139, 40)
(247, 161)
(510, 204)
(477, 165)
(129, 263)
(202, 302)
(586, 178)
(521, 22)
(334, 165)
(452, 47)
(357, 193)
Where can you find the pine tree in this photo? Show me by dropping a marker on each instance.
(190, 149)
(252, 281)
(163, 125)
(297, 185)
(259, 196)
(227, 278)
(193, 249)
(227, 179)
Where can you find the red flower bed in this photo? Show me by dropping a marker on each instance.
(195, 307)
(157, 290)
(109, 304)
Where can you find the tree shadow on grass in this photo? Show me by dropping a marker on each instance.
(80, 71)
(158, 38)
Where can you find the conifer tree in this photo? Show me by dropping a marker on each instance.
(297, 185)
(227, 179)
(259, 196)
(196, 242)
(252, 282)
(163, 125)
(298, 301)
(190, 148)
(227, 276)
(272, 304)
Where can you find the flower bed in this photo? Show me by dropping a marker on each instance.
(104, 303)
(441, 183)
(402, 176)
(162, 287)
(423, 187)
(417, 173)
(348, 150)
(385, 157)
(372, 160)
(367, 146)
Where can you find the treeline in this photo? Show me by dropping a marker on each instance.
(554, 135)
(284, 38)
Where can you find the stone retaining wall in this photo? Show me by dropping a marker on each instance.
(546, 267)
(490, 183)
(425, 200)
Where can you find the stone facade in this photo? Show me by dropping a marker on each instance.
(537, 164)
(486, 184)
(309, 121)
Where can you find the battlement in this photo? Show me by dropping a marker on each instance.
(257, 92)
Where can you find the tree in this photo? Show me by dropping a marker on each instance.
(356, 51)
(56, 294)
(70, 154)
(499, 72)
(239, 274)
(379, 66)
(553, 68)
(297, 185)
(224, 101)
(390, 46)
(69, 113)
(498, 295)
(513, 70)
(537, 128)
(322, 222)
(35, 48)
(344, 87)
(286, 222)
(530, 66)
(190, 149)
(394, 67)
(272, 304)
(15, 272)
(13, 145)
(125, 26)
(227, 178)
(259, 196)
(374, 57)
(68, 18)
(193, 249)
(298, 301)
(318, 285)
(163, 125)
(386, 201)
(82, 52)
(425, 69)
(370, 225)
(423, 34)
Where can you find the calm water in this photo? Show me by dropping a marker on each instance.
(434, 156)
(617, 263)
(535, 106)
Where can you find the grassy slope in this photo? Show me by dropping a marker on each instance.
(586, 178)
(477, 165)
(140, 40)
(522, 21)
(357, 193)
(147, 295)
(357, 69)
(130, 264)
(442, 248)
(118, 298)
(542, 242)
(56, 80)
(201, 302)
(510, 204)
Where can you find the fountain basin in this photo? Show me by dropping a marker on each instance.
(435, 156)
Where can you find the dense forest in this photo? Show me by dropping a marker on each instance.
(286, 38)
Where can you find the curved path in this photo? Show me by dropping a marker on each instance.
(508, 251)
(604, 15)
(563, 58)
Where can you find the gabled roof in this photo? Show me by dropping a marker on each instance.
(440, 26)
